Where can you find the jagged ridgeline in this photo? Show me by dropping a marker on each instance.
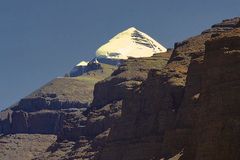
(136, 100)
(43, 110)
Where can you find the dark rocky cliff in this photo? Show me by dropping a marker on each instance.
(166, 116)
(90, 129)
(184, 109)
(42, 110)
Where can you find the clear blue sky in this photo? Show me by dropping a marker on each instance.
(43, 39)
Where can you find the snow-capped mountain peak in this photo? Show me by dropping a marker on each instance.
(130, 43)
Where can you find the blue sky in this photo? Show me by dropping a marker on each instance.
(43, 39)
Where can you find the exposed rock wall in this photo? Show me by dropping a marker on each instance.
(126, 78)
(207, 105)
(217, 126)
(42, 111)
(91, 127)
(5, 122)
(42, 122)
(163, 118)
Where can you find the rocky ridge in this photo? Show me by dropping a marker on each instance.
(164, 117)
(159, 117)
(41, 111)
(90, 129)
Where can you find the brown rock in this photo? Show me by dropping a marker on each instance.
(162, 115)
(19, 122)
(24, 146)
(126, 78)
(151, 109)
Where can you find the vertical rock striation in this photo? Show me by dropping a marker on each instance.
(163, 117)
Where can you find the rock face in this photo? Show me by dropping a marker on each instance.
(164, 117)
(178, 105)
(225, 25)
(5, 121)
(195, 118)
(41, 111)
(127, 77)
(90, 128)
(219, 100)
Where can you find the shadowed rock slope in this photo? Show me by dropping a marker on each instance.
(84, 134)
(163, 117)
(189, 108)
(41, 111)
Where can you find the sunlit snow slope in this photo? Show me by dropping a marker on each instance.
(130, 43)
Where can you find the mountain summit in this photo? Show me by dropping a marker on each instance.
(130, 43)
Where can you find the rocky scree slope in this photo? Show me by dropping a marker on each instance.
(24, 146)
